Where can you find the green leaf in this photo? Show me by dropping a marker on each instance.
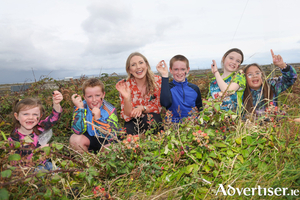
(198, 155)
(41, 173)
(14, 157)
(189, 169)
(238, 140)
(81, 175)
(92, 170)
(210, 162)
(206, 118)
(249, 140)
(206, 168)
(89, 179)
(166, 150)
(48, 194)
(56, 191)
(240, 158)
(245, 153)
(6, 173)
(59, 146)
(215, 173)
(221, 145)
(212, 154)
(17, 145)
(55, 178)
(46, 150)
(4, 195)
(63, 163)
(230, 153)
(217, 107)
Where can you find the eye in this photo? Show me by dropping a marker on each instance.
(141, 62)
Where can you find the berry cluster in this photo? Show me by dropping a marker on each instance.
(131, 142)
(201, 138)
(100, 192)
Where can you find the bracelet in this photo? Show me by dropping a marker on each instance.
(285, 66)
(215, 71)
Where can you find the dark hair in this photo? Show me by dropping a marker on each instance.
(267, 90)
(25, 104)
(232, 50)
(179, 58)
(92, 82)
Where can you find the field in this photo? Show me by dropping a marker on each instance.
(211, 155)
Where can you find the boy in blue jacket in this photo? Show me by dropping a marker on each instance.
(178, 95)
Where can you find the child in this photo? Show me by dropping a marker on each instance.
(27, 123)
(178, 95)
(231, 80)
(259, 90)
(96, 110)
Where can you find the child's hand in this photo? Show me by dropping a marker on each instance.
(277, 60)
(124, 89)
(57, 97)
(77, 101)
(162, 68)
(214, 67)
(96, 113)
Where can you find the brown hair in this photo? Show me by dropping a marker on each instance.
(179, 58)
(151, 84)
(26, 104)
(267, 91)
(92, 82)
(232, 50)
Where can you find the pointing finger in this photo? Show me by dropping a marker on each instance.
(272, 53)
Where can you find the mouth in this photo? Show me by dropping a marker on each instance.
(30, 123)
(255, 81)
(139, 72)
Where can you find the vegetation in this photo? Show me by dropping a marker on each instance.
(185, 161)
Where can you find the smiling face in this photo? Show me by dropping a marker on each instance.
(232, 62)
(254, 77)
(94, 96)
(138, 67)
(28, 119)
(179, 71)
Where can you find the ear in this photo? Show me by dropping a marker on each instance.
(188, 70)
(103, 95)
(16, 116)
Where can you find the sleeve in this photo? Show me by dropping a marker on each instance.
(109, 124)
(78, 121)
(125, 117)
(166, 95)
(199, 100)
(154, 105)
(240, 80)
(288, 78)
(49, 122)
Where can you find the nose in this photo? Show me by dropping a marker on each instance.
(94, 98)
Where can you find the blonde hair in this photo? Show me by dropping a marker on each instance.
(150, 81)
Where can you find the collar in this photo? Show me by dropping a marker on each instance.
(180, 83)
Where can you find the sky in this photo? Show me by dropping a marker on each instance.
(69, 38)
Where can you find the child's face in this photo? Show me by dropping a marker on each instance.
(94, 97)
(253, 77)
(232, 62)
(179, 71)
(138, 67)
(28, 119)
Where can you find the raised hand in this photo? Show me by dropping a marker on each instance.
(57, 97)
(162, 68)
(277, 60)
(214, 67)
(124, 89)
(77, 101)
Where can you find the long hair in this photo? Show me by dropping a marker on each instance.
(267, 91)
(232, 50)
(150, 81)
(26, 104)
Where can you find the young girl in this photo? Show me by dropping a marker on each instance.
(260, 91)
(27, 123)
(231, 80)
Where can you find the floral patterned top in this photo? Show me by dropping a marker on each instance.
(230, 102)
(152, 102)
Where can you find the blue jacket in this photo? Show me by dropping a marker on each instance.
(183, 94)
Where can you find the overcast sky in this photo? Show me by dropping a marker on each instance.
(67, 38)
